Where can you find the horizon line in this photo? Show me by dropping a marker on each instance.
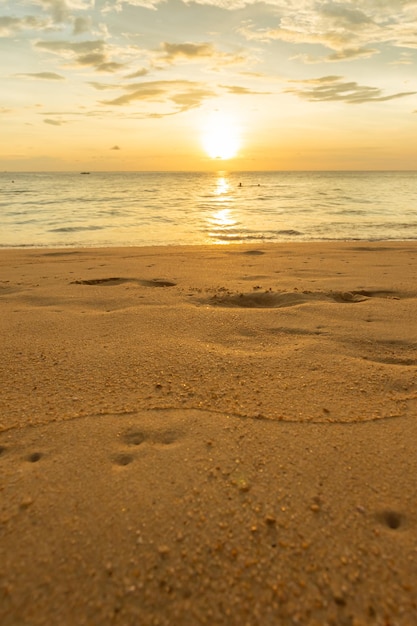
(225, 170)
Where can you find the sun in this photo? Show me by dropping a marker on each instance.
(220, 138)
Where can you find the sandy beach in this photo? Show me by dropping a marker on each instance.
(219, 435)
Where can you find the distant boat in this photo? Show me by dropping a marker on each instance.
(84, 172)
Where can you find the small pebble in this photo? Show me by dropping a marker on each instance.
(163, 550)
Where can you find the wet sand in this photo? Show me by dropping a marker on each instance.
(209, 435)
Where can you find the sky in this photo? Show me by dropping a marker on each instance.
(204, 85)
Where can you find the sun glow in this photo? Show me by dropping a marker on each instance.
(221, 139)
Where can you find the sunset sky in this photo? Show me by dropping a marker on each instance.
(208, 84)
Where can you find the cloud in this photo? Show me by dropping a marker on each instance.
(227, 4)
(118, 5)
(334, 89)
(243, 91)
(58, 9)
(191, 98)
(352, 53)
(100, 62)
(61, 10)
(115, 148)
(10, 25)
(196, 52)
(53, 122)
(139, 73)
(110, 67)
(183, 94)
(81, 25)
(55, 14)
(350, 29)
(347, 54)
(103, 86)
(72, 113)
(92, 58)
(342, 16)
(149, 91)
(190, 51)
(222, 4)
(83, 53)
(42, 76)
(78, 48)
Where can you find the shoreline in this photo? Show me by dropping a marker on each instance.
(209, 434)
(210, 244)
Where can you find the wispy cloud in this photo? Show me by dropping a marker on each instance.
(223, 4)
(93, 53)
(335, 89)
(61, 10)
(139, 73)
(237, 90)
(57, 8)
(53, 122)
(190, 52)
(347, 54)
(103, 86)
(182, 94)
(10, 25)
(118, 4)
(231, 5)
(55, 16)
(71, 47)
(41, 76)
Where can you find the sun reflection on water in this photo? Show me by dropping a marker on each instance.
(222, 186)
(223, 219)
(223, 226)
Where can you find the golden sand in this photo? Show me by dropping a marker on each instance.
(209, 435)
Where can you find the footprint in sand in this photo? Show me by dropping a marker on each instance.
(123, 459)
(113, 281)
(157, 282)
(273, 299)
(399, 352)
(391, 519)
(100, 281)
(34, 457)
(6, 288)
(133, 438)
(121, 444)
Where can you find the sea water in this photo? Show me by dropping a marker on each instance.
(162, 208)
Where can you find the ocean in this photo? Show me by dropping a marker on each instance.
(71, 209)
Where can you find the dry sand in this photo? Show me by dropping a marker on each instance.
(209, 435)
